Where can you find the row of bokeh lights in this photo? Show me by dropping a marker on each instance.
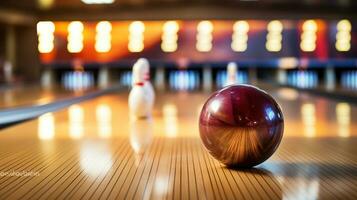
(204, 37)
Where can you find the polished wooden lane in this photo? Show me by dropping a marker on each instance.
(93, 150)
(28, 95)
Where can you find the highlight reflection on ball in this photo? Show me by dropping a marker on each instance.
(241, 125)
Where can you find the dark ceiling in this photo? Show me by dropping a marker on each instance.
(182, 9)
(37, 5)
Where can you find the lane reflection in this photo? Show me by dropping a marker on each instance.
(8, 97)
(76, 120)
(104, 120)
(46, 127)
(343, 116)
(45, 97)
(95, 158)
(308, 116)
(161, 186)
(271, 184)
(288, 94)
(171, 120)
(298, 181)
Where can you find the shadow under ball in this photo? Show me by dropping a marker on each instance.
(241, 125)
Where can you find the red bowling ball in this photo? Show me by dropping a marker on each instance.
(241, 125)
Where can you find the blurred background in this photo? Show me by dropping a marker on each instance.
(76, 45)
(54, 54)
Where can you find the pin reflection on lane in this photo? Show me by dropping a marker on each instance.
(141, 137)
(141, 134)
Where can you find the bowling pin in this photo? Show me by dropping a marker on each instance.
(148, 86)
(174, 80)
(354, 80)
(191, 82)
(140, 101)
(312, 79)
(231, 73)
(128, 78)
(197, 80)
(8, 72)
(47, 79)
(348, 80)
(187, 80)
(70, 80)
(350, 84)
(180, 84)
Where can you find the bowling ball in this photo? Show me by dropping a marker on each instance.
(241, 125)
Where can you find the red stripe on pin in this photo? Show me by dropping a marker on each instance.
(139, 83)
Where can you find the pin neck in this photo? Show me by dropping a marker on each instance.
(139, 83)
(147, 77)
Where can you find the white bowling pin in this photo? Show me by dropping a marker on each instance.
(231, 73)
(140, 102)
(148, 85)
(191, 78)
(71, 80)
(8, 71)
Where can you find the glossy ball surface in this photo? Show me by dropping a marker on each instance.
(241, 125)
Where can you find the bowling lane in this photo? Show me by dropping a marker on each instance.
(33, 95)
(314, 116)
(92, 150)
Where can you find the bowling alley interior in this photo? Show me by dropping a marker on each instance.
(178, 99)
